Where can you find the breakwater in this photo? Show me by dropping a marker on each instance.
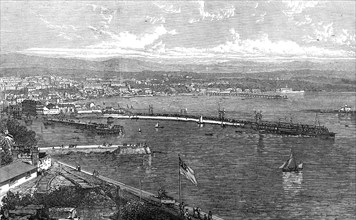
(101, 129)
(248, 95)
(280, 128)
(330, 111)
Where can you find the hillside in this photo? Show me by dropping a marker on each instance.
(19, 64)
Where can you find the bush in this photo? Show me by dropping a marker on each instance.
(22, 136)
(135, 210)
(5, 159)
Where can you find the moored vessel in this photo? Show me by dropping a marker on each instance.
(291, 165)
(158, 126)
(343, 110)
(104, 129)
(287, 90)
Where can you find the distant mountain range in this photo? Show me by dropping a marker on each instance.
(21, 61)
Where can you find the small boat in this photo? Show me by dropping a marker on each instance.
(139, 130)
(287, 90)
(158, 126)
(201, 120)
(290, 165)
(342, 110)
(345, 109)
(222, 124)
(209, 134)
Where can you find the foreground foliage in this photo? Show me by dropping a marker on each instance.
(127, 209)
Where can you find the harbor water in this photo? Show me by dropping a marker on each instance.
(237, 171)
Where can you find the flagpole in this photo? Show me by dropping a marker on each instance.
(179, 182)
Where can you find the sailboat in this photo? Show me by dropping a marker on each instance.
(158, 126)
(201, 120)
(290, 165)
(222, 124)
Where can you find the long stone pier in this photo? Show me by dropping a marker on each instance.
(138, 192)
(271, 127)
(184, 118)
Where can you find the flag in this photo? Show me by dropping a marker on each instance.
(186, 171)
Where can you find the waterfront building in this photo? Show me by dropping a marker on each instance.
(32, 107)
(51, 111)
(15, 111)
(66, 108)
(15, 174)
(247, 91)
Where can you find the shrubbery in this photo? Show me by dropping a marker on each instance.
(85, 198)
(21, 137)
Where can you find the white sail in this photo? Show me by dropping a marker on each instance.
(300, 166)
(291, 163)
(281, 167)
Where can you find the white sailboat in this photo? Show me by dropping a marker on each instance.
(158, 126)
(201, 120)
(290, 165)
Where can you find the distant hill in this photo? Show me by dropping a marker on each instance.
(20, 63)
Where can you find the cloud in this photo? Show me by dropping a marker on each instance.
(64, 35)
(93, 6)
(168, 8)
(107, 14)
(64, 31)
(129, 40)
(308, 39)
(147, 45)
(86, 53)
(297, 7)
(307, 20)
(345, 38)
(220, 14)
(154, 20)
(263, 46)
(326, 33)
(159, 47)
(261, 18)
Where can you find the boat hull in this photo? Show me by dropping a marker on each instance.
(296, 169)
(287, 170)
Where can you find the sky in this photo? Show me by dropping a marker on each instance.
(201, 31)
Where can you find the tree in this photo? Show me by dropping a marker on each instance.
(135, 210)
(11, 200)
(62, 197)
(6, 144)
(21, 135)
(5, 159)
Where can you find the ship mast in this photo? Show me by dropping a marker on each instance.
(316, 121)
